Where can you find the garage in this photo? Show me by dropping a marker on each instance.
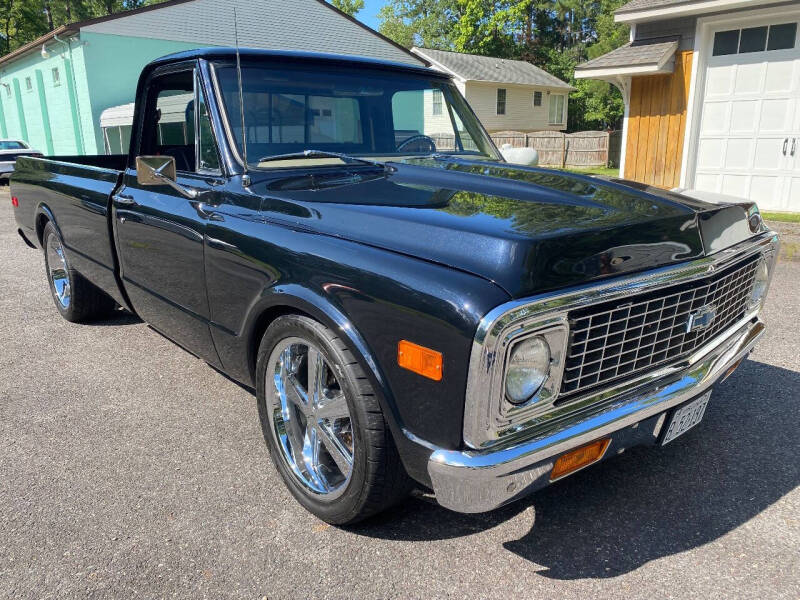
(748, 141)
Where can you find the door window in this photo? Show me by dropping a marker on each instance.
(169, 123)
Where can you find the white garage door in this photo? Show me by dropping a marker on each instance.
(749, 137)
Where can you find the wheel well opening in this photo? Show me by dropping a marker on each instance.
(264, 320)
(41, 222)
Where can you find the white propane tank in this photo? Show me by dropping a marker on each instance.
(520, 156)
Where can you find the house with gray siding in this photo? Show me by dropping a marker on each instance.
(712, 97)
(54, 90)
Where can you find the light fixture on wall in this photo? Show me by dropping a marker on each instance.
(45, 53)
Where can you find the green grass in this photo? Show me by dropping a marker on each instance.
(787, 217)
(593, 171)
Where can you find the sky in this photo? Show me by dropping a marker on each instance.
(369, 15)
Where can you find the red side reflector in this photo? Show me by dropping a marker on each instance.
(419, 359)
(14, 201)
(579, 458)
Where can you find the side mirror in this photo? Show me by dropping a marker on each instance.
(160, 170)
(152, 170)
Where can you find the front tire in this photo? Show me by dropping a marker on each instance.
(323, 424)
(76, 299)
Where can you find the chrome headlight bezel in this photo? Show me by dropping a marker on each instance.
(761, 281)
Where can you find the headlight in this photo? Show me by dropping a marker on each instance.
(760, 285)
(527, 369)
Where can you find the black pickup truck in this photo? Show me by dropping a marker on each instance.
(341, 235)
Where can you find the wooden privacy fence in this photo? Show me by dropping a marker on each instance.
(580, 149)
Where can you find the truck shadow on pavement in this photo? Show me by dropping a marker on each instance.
(650, 502)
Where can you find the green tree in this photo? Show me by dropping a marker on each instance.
(425, 23)
(351, 7)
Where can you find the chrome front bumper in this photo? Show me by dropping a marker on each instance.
(474, 481)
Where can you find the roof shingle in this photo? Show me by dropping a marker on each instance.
(634, 54)
(497, 70)
(635, 5)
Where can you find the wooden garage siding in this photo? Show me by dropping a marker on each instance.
(656, 125)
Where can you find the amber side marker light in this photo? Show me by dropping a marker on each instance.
(420, 360)
(579, 458)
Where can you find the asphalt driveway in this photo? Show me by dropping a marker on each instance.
(130, 469)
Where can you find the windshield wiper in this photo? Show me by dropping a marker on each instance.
(321, 154)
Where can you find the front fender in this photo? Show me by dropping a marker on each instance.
(373, 297)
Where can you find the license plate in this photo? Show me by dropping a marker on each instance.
(686, 417)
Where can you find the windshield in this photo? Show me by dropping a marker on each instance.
(11, 145)
(358, 112)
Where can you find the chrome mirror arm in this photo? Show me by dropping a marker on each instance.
(185, 191)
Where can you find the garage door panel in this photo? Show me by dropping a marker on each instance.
(709, 153)
(769, 152)
(738, 154)
(715, 117)
(779, 76)
(748, 78)
(706, 182)
(735, 185)
(775, 116)
(719, 80)
(743, 116)
(766, 191)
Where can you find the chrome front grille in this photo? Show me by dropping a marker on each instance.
(619, 339)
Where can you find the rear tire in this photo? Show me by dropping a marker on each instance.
(76, 299)
(294, 415)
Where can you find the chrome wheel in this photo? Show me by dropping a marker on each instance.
(310, 419)
(57, 270)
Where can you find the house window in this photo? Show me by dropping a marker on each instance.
(56, 77)
(437, 102)
(537, 98)
(501, 101)
(28, 84)
(556, 109)
(755, 39)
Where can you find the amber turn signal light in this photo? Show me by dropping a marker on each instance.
(579, 458)
(420, 360)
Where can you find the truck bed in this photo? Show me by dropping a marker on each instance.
(74, 192)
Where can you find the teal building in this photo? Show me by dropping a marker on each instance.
(54, 91)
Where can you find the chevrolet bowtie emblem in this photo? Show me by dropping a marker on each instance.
(701, 318)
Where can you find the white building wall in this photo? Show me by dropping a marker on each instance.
(521, 114)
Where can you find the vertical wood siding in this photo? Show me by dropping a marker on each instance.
(656, 124)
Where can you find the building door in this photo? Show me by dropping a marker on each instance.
(749, 125)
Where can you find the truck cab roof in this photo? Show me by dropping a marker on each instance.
(221, 53)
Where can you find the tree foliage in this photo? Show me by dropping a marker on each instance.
(555, 35)
(22, 21)
(351, 7)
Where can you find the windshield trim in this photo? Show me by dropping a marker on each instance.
(235, 152)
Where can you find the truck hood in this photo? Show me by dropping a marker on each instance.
(529, 230)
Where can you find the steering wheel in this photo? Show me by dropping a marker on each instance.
(423, 143)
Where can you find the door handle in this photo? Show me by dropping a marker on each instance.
(124, 200)
(794, 146)
(785, 145)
